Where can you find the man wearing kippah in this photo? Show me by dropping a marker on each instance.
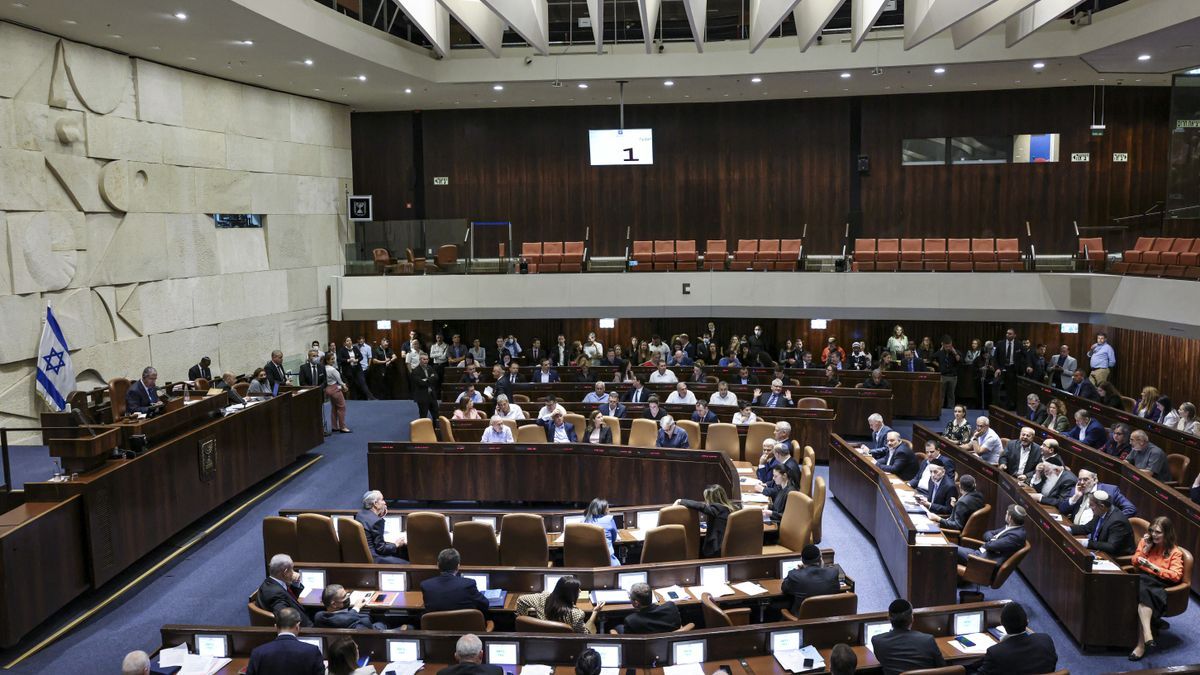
(999, 544)
(812, 578)
(902, 648)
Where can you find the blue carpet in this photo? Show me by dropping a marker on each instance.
(209, 584)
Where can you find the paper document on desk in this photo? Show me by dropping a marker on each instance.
(403, 667)
(755, 498)
(172, 657)
(685, 669)
(747, 480)
(672, 593)
(750, 588)
(715, 590)
(357, 597)
(202, 665)
(792, 660)
(930, 539)
(982, 642)
(1082, 541)
(560, 538)
(1100, 565)
(895, 481)
(745, 470)
(488, 392)
(536, 669)
(640, 535)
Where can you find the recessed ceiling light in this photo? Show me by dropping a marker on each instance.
(845, 76)
(248, 43)
(362, 78)
(939, 70)
(156, 48)
(755, 80)
(191, 58)
(497, 87)
(308, 62)
(181, 16)
(316, 89)
(1194, 71)
(669, 83)
(1039, 65)
(114, 36)
(1143, 57)
(583, 85)
(70, 22)
(407, 90)
(18, 4)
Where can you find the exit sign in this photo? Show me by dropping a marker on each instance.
(1120, 156)
(441, 180)
(1081, 156)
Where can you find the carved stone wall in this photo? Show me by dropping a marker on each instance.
(109, 167)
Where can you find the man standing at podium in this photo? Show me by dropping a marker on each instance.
(275, 372)
(142, 396)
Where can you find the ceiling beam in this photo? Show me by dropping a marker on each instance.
(596, 14)
(648, 9)
(1030, 19)
(697, 16)
(972, 27)
(432, 20)
(863, 15)
(528, 18)
(925, 18)
(811, 16)
(765, 17)
(481, 22)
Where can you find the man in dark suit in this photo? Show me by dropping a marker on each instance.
(999, 544)
(612, 360)
(1010, 362)
(282, 588)
(879, 432)
(372, 518)
(968, 502)
(933, 457)
(1082, 388)
(778, 397)
(1087, 430)
(423, 381)
(142, 396)
(613, 408)
(1020, 652)
(744, 377)
(448, 590)
(703, 415)
(201, 370)
(560, 353)
(558, 430)
(896, 457)
(903, 648)
(1109, 530)
(544, 374)
(585, 374)
(670, 435)
(781, 453)
(637, 393)
(535, 353)
(760, 348)
(811, 579)
(1077, 507)
(286, 654)
(649, 617)
(1034, 410)
(1021, 456)
(275, 371)
(1053, 482)
(504, 384)
(338, 612)
(312, 373)
(940, 493)
(468, 653)
(912, 363)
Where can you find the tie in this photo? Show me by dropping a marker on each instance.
(910, 366)
(933, 493)
(771, 403)
(1010, 360)
(1096, 530)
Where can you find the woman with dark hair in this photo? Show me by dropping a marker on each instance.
(559, 605)
(783, 479)
(597, 431)
(654, 410)
(714, 355)
(1109, 395)
(1159, 563)
(467, 411)
(925, 350)
(259, 384)
(831, 377)
(958, 429)
(716, 508)
(789, 356)
(597, 514)
(342, 658)
(1056, 416)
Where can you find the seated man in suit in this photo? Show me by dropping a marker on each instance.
(544, 374)
(557, 429)
(372, 518)
(780, 454)
(638, 393)
(282, 587)
(1148, 456)
(1053, 482)
(585, 374)
(1087, 430)
(1078, 507)
(933, 457)
(648, 616)
(671, 436)
(897, 457)
(999, 544)
(703, 415)
(613, 408)
(448, 591)
(1109, 530)
(680, 358)
(547, 411)
(338, 612)
(969, 501)
(1021, 652)
(903, 648)
(811, 579)
(1021, 456)
(468, 654)
(777, 398)
(744, 377)
(875, 379)
(142, 396)
(939, 496)
(879, 432)
(201, 370)
(911, 362)
(286, 654)
(1082, 388)
(1034, 410)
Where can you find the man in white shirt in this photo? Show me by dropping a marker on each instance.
(598, 395)
(985, 442)
(657, 346)
(681, 395)
(662, 375)
(508, 411)
(497, 432)
(722, 396)
(551, 408)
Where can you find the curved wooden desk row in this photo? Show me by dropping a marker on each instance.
(922, 565)
(746, 649)
(812, 425)
(851, 406)
(1097, 607)
(547, 472)
(1170, 440)
(1152, 497)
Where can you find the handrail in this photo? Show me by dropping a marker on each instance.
(1148, 212)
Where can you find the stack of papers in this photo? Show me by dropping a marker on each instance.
(982, 642)
(755, 498)
(640, 535)
(359, 597)
(930, 540)
(715, 590)
(1105, 566)
(745, 470)
(792, 660)
(685, 669)
(533, 669)
(750, 588)
(403, 667)
(172, 657)
(202, 665)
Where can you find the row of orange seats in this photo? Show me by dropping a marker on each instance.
(937, 255)
(554, 256)
(1177, 257)
(751, 254)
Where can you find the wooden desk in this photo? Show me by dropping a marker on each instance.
(545, 472)
(1151, 497)
(924, 573)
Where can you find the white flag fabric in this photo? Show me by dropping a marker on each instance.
(55, 374)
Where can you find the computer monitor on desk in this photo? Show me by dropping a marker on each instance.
(873, 628)
(786, 640)
(687, 651)
(966, 623)
(393, 581)
(503, 653)
(480, 579)
(216, 646)
(403, 650)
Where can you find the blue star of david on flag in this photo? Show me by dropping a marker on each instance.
(55, 374)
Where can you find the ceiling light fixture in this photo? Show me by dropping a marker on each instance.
(497, 87)
(70, 22)
(669, 83)
(182, 16)
(583, 85)
(1194, 71)
(1143, 57)
(845, 76)
(939, 70)
(755, 80)
(248, 43)
(362, 78)
(114, 36)
(308, 62)
(407, 90)
(1039, 65)
(18, 4)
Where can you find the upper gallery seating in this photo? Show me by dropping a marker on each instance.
(938, 255)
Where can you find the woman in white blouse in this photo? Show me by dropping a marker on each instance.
(1183, 419)
(745, 415)
(335, 389)
(898, 342)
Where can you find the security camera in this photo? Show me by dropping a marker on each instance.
(528, 60)
(661, 48)
(820, 39)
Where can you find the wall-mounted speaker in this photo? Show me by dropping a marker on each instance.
(864, 164)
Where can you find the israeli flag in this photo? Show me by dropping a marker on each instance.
(55, 374)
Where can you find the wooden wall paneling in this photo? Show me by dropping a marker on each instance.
(382, 153)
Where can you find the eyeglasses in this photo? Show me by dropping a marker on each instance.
(1156, 531)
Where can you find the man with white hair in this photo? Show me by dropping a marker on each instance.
(783, 434)
(780, 455)
(508, 411)
(896, 457)
(985, 442)
(497, 431)
(280, 589)
(1148, 456)
(1078, 507)
(777, 398)
(671, 436)
(468, 652)
(136, 663)
(879, 432)
(1109, 530)
(374, 508)
(597, 395)
(681, 395)
(1053, 482)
